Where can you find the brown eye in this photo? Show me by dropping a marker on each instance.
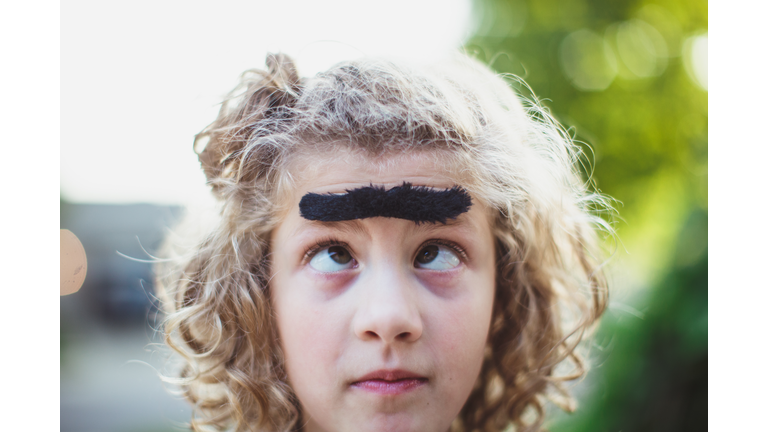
(339, 254)
(427, 254)
(332, 259)
(437, 257)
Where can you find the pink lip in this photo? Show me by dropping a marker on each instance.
(389, 382)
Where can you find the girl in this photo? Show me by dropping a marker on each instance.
(397, 249)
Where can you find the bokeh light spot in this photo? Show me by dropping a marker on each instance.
(641, 48)
(587, 60)
(695, 59)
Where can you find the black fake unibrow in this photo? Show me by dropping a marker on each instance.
(415, 203)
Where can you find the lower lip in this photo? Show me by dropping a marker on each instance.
(383, 387)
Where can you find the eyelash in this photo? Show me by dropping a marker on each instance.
(330, 241)
(322, 244)
(449, 244)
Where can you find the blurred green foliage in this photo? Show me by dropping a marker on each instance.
(653, 374)
(643, 128)
(622, 75)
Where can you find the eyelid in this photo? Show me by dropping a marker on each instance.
(447, 243)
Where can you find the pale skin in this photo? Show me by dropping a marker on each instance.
(381, 296)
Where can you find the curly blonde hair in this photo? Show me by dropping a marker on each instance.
(517, 159)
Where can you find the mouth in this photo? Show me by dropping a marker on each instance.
(389, 382)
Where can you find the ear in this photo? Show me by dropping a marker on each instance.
(229, 149)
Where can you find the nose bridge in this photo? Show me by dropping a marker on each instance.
(388, 305)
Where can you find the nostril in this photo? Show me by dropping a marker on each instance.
(400, 336)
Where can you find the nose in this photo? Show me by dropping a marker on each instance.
(388, 308)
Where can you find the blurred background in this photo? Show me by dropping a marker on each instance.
(139, 79)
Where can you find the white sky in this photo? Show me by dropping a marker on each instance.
(140, 78)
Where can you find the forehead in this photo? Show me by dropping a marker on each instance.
(342, 169)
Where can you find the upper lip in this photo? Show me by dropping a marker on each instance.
(389, 375)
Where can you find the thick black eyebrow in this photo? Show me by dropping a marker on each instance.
(415, 203)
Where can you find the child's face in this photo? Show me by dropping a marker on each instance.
(383, 322)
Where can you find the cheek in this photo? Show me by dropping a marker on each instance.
(301, 328)
(461, 331)
(311, 339)
(464, 328)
